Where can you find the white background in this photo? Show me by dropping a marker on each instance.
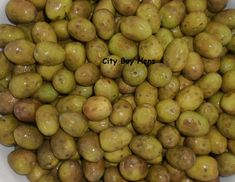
(6, 174)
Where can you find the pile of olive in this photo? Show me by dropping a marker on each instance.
(76, 112)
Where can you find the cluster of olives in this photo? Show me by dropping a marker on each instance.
(74, 118)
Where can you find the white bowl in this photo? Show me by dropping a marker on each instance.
(6, 173)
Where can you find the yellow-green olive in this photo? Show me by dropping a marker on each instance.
(20, 52)
(205, 168)
(228, 102)
(218, 141)
(190, 98)
(47, 120)
(159, 74)
(49, 53)
(97, 108)
(122, 47)
(25, 84)
(207, 45)
(60, 29)
(194, 23)
(226, 17)
(144, 117)
(193, 6)
(81, 8)
(136, 28)
(172, 13)
(220, 31)
(104, 22)
(134, 73)
(96, 51)
(57, 9)
(164, 37)
(145, 93)
(10, 33)
(176, 55)
(8, 124)
(192, 124)
(114, 138)
(151, 49)
(133, 168)
(63, 145)
(81, 29)
(73, 123)
(146, 147)
(126, 8)
(21, 11)
(150, 12)
(22, 161)
(63, 81)
(228, 80)
(200, 145)
(89, 147)
(28, 137)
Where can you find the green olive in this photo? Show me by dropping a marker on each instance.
(145, 93)
(194, 23)
(226, 164)
(205, 168)
(172, 13)
(89, 147)
(104, 22)
(22, 161)
(144, 117)
(207, 45)
(70, 170)
(42, 31)
(176, 55)
(8, 124)
(97, 108)
(96, 51)
(228, 102)
(10, 33)
(80, 9)
(75, 124)
(150, 12)
(136, 28)
(200, 145)
(114, 138)
(28, 137)
(133, 168)
(159, 74)
(63, 145)
(164, 37)
(57, 10)
(45, 157)
(87, 74)
(21, 11)
(151, 49)
(210, 84)
(210, 111)
(122, 47)
(192, 124)
(218, 141)
(121, 114)
(220, 31)
(126, 8)
(49, 53)
(193, 6)
(169, 136)
(226, 17)
(147, 147)
(228, 80)
(190, 98)
(71, 103)
(25, 84)
(81, 29)
(182, 158)
(134, 74)
(63, 81)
